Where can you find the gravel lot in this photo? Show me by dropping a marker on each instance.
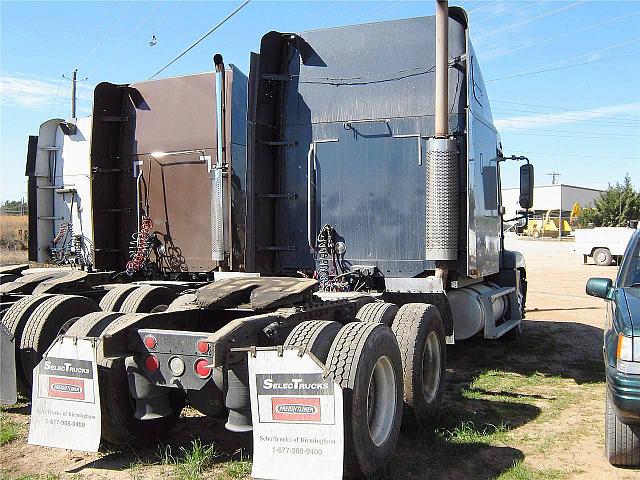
(533, 409)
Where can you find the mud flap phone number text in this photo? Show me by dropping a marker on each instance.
(65, 423)
(297, 451)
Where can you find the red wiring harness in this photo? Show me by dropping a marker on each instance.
(142, 252)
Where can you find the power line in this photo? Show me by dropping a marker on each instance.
(107, 32)
(544, 122)
(583, 136)
(488, 4)
(222, 22)
(578, 155)
(577, 133)
(509, 11)
(555, 116)
(550, 39)
(610, 47)
(53, 105)
(532, 19)
(139, 25)
(560, 68)
(557, 108)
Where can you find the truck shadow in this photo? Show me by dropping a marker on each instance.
(480, 405)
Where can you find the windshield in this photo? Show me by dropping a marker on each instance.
(630, 269)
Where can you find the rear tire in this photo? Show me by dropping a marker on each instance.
(115, 297)
(119, 426)
(315, 336)
(602, 257)
(45, 324)
(377, 312)
(147, 298)
(14, 320)
(621, 442)
(420, 333)
(365, 361)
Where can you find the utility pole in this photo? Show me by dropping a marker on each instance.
(73, 93)
(553, 176)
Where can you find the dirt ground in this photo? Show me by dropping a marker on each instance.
(531, 409)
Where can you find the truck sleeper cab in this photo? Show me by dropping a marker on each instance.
(358, 255)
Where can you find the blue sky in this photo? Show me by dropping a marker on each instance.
(582, 121)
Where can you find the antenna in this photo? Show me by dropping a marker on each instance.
(553, 176)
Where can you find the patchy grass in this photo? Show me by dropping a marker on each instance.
(240, 468)
(520, 471)
(8, 430)
(468, 432)
(6, 475)
(191, 463)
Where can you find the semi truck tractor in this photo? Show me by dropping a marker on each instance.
(363, 229)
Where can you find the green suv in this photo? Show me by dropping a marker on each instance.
(622, 356)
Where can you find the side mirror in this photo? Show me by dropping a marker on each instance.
(526, 186)
(599, 287)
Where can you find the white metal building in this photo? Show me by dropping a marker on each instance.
(550, 197)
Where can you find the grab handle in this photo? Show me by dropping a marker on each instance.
(311, 194)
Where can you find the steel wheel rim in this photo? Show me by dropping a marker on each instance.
(601, 257)
(431, 367)
(381, 400)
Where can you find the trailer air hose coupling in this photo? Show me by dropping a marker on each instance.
(237, 398)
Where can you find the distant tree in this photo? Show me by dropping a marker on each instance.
(614, 208)
(14, 207)
(588, 218)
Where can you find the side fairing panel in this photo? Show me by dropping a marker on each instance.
(483, 220)
(63, 162)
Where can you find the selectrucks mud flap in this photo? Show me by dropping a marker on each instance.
(65, 408)
(297, 416)
(8, 386)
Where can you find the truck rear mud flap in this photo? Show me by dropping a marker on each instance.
(297, 412)
(8, 385)
(65, 409)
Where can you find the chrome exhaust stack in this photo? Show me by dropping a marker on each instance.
(217, 171)
(442, 161)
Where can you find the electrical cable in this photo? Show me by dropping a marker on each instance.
(218, 25)
(115, 23)
(487, 4)
(560, 68)
(532, 19)
(550, 39)
(55, 99)
(603, 118)
(508, 11)
(126, 41)
(562, 154)
(557, 108)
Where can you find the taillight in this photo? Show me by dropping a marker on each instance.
(152, 364)
(202, 367)
(203, 346)
(150, 342)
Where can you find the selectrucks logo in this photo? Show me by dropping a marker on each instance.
(295, 409)
(67, 367)
(292, 384)
(68, 388)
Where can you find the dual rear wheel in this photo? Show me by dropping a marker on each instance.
(391, 361)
